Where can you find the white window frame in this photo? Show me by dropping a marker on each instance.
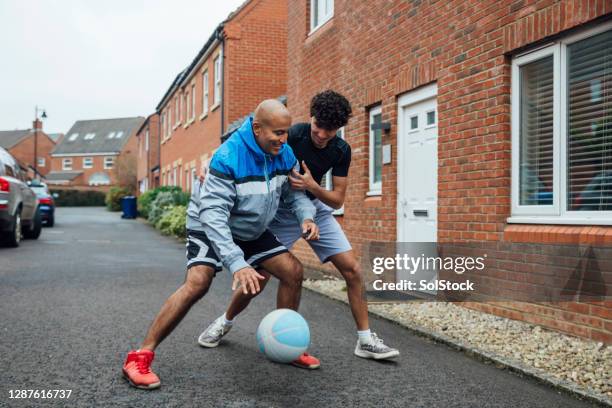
(147, 140)
(329, 178)
(193, 176)
(205, 93)
(314, 25)
(375, 187)
(90, 166)
(557, 213)
(193, 101)
(217, 80)
(41, 162)
(108, 159)
(67, 163)
(177, 112)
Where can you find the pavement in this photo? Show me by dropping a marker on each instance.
(75, 301)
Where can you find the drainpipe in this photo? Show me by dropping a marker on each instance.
(221, 38)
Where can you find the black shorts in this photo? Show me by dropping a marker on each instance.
(200, 251)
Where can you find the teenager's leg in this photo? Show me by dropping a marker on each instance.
(197, 282)
(348, 266)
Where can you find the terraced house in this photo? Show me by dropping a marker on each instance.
(25, 144)
(243, 62)
(475, 121)
(86, 156)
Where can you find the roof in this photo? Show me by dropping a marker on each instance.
(9, 138)
(62, 175)
(97, 136)
(55, 136)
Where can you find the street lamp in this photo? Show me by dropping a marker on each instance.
(43, 116)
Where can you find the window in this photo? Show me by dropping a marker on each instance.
(109, 162)
(73, 137)
(110, 135)
(147, 140)
(187, 107)
(184, 107)
(217, 89)
(67, 164)
(328, 181)
(87, 162)
(41, 162)
(205, 93)
(119, 135)
(193, 101)
(562, 131)
(174, 178)
(431, 118)
(193, 175)
(169, 119)
(176, 111)
(375, 152)
(89, 136)
(321, 11)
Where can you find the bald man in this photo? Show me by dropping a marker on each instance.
(227, 225)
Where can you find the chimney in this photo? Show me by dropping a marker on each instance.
(37, 124)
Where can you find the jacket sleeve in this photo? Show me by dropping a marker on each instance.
(298, 201)
(217, 198)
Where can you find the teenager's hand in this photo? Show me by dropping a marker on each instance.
(310, 230)
(302, 181)
(247, 278)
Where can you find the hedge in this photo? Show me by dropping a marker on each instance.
(145, 200)
(78, 198)
(172, 221)
(114, 196)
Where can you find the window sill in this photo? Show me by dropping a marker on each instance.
(204, 115)
(215, 106)
(556, 234)
(176, 125)
(189, 123)
(374, 193)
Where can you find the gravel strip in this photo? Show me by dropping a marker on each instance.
(581, 364)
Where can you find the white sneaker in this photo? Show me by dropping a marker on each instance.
(213, 333)
(376, 349)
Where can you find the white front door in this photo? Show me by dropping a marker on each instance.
(417, 184)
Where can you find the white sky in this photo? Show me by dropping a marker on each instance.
(96, 59)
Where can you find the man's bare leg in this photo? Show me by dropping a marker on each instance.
(197, 282)
(347, 264)
(289, 271)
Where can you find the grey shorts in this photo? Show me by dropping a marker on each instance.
(332, 240)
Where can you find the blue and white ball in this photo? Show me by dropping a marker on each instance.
(283, 335)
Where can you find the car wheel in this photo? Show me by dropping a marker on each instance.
(35, 227)
(51, 221)
(14, 236)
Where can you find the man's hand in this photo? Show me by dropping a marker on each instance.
(303, 181)
(310, 230)
(247, 278)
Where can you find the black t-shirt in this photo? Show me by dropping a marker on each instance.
(335, 156)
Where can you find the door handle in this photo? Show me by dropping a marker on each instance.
(420, 213)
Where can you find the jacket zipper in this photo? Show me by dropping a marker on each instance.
(269, 198)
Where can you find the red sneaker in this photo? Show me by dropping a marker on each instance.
(137, 370)
(307, 361)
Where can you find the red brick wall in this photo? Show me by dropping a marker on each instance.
(24, 150)
(374, 51)
(254, 69)
(148, 159)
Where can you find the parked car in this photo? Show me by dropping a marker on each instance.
(46, 203)
(19, 213)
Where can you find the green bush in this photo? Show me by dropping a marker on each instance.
(78, 198)
(145, 200)
(114, 196)
(163, 200)
(172, 221)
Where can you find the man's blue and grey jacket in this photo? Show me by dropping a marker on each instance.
(241, 194)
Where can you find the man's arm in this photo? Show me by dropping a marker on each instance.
(334, 198)
(216, 201)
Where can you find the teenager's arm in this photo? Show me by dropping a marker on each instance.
(334, 198)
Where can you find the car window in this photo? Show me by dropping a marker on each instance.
(8, 170)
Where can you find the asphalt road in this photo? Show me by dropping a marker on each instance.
(75, 301)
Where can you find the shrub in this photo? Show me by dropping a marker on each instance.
(145, 200)
(114, 196)
(172, 221)
(78, 198)
(163, 200)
